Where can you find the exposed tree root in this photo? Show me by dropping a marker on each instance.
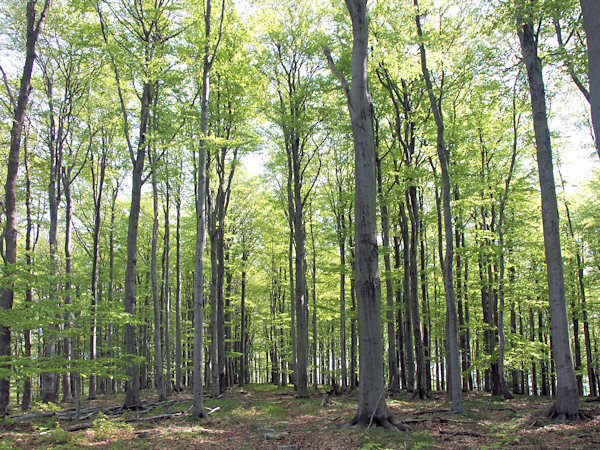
(594, 399)
(386, 423)
(554, 414)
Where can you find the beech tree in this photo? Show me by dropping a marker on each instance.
(8, 241)
(567, 403)
(372, 408)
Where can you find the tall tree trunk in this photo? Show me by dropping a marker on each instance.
(167, 288)
(201, 191)
(413, 211)
(243, 338)
(98, 186)
(67, 343)
(132, 385)
(452, 331)
(591, 25)
(159, 377)
(29, 249)
(394, 383)
(49, 378)
(407, 332)
(567, 403)
(178, 343)
(9, 235)
(372, 408)
(111, 279)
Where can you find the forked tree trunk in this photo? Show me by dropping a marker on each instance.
(454, 375)
(567, 402)
(372, 407)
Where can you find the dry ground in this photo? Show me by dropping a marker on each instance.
(267, 417)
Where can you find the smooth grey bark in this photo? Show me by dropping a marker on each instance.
(591, 25)
(178, 343)
(67, 343)
(407, 326)
(243, 337)
(292, 302)
(201, 196)
(567, 402)
(29, 249)
(372, 407)
(159, 377)
(55, 147)
(218, 206)
(98, 187)
(137, 153)
(500, 230)
(166, 287)
(452, 321)
(413, 212)
(8, 239)
(111, 277)
(394, 384)
(132, 385)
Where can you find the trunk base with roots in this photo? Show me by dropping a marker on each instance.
(554, 413)
(369, 421)
(200, 415)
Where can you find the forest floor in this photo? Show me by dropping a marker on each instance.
(267, 417)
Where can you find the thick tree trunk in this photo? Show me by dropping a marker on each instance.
(567, 403)
(132, 385)
(591, 25)
(372, 408)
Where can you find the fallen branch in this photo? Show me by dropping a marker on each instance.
(153, 418)
(80, 426)
(451, 434)
(33, 415)
(444, 420)
(430, 411)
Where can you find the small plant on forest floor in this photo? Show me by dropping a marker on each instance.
(105, 428)
(55, 436)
